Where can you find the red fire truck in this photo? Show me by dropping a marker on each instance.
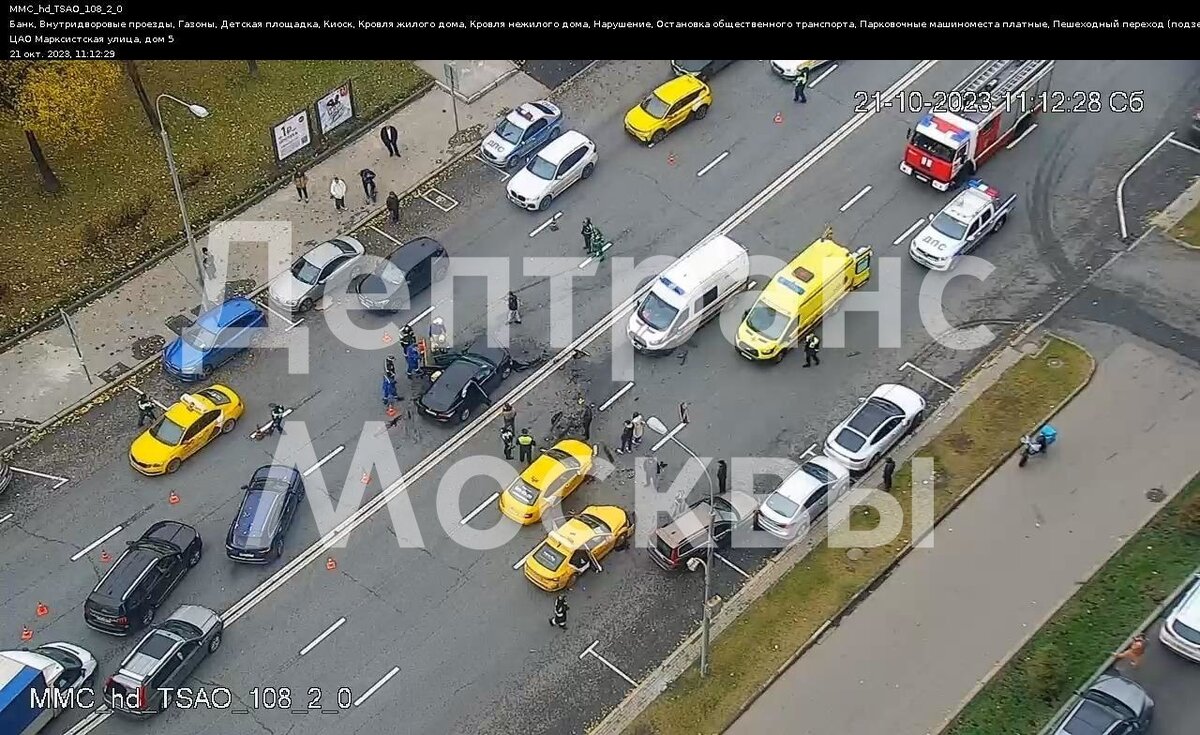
(983, 112)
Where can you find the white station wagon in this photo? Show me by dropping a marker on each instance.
(571, 157)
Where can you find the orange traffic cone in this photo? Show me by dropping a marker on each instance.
(387, 338)
(26, 633)
(391, 411)
(366, 477)
(105, 557)
(778, 118)
(330, 564)
(42, 610)
(173, 499)
(670, 159)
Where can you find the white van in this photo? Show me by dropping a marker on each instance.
(687, 294)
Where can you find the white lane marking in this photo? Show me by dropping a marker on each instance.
(826, 73)
(546, 224)
(479, 509)
(861, 193)
(521, 562)
(668, 437)
(592, 650)
(323, 460)
(375, 687)
(1121, 183)
(141, 392)
(317, 550)
(927, 374)
(504, 175)
(427, 312)
(87, 549)
(710, 166)
(60, 481)
(91, 722)
(438, 197)
(613, 399)
(603, 250)
(1181, 144)
(291, 324)
(6, 517)
(732, 566)
(328, 632)
(381, 232)
(267, 425)
(812, 449)
(912, 228)
(1021, 137)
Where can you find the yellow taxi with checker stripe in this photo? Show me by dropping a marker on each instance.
(185, 428)
(544, 483)
(670, 105)
(578, 545)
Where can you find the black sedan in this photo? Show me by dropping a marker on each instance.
(267, 511)
(405, 272)
(702, 70)
(464, 383)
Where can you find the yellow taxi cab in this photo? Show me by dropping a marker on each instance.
(552, 477)
(667, 107)
(184, 428)
(578, 545)
(799, 295)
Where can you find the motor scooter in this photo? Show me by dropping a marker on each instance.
(1039, 443)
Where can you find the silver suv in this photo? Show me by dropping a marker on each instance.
(163, 660)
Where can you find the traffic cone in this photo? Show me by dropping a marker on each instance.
(26, 633)
(42, 610)
(366, 477)
(779, 118)
(391, 411)
(105, 557)
(173, 499)
(670, 159)
(387, 338)
(330, 564)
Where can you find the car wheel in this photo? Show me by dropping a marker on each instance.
(554, 133)
(918, 419)
(658, 136)
(464, 414)
(1000, 223)
(194, 558)
(228, 425)
(505, 372)
(173, 465)
(215, 643)
(277, 548)
(588, 169)
(779, 357)
(545, 203)
(207, 371)
(623, 544)
(147, 617)
(305, 305)
(701, 112)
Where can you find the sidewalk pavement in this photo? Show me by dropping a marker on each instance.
(909, 656)
(43, 375)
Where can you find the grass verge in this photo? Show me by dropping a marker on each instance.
(1026, 693)
(117, 207)
(1188, 228)
(762, 639)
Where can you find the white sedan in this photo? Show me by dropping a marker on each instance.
(890, 412)
(790, 69)
(570, 158)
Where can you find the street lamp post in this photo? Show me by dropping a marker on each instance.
(202, 113)
(658, 427)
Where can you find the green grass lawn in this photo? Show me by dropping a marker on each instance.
(1029, 690)
(774, 627)
(117, 207)
(1188, 228)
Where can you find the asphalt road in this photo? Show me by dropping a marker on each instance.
(1172, 682)
(467, 633)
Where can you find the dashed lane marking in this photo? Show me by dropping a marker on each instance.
(732, 566)
(714, 162)
(479, 509)
(861, 193)
(327, 632)
(1021, 137)
(669, 436)
(88, 549)
(613, 399)
(603, 250)
(521, 562)
(59, 481)
(824, 74)
(812, 449)
(592, 650)
(323, 460)
(375, 687)
(911, 228)
(1183, 145)
(545, 224)
(6, 517)
(286, 413)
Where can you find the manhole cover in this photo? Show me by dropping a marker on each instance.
(1029, 347)
(147, 346)
(1054, 362)
(178, 323)
(1156, 495)
(113, 372)
(855, 554)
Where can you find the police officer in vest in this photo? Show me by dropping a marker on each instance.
(145, 409)
(812, 346)
(560, 612)
(799, 85)
(525, 444)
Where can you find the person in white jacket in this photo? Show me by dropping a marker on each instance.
(337, 190)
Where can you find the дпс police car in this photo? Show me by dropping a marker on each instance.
(961, 225)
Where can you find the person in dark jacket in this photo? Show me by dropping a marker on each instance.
(889, 468)
(514, 308)
(559, 618)
(588, 231)
(588, 408)
(277, 414)
(506, 440)
(799, 85)
(812, 349)
(407, 337)
(368, 182)
(145, 410)
(722, 477)
(393, 207)
(389, 137)
(626, 438)
(389, 365)
(525, 444)
(509, 414)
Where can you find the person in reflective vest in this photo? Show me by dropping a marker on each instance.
(525, 444)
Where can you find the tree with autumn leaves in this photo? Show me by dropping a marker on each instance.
(55, 101)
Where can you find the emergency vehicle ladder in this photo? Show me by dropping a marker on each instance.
(1002, 77)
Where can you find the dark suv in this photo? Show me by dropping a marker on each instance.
(686, 536)
(141, 578)
(272, 496)
(405, 272)
(163, 660)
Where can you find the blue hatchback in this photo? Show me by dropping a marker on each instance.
(218, 335)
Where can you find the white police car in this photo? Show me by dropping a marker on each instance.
(522, 132)
(961, 226)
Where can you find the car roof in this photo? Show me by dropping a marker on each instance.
(179, 535)
(695, 521)
(330, 249)
(564, 145)
(672, 90)
(527, 113)
(691, 271)
(280, 472)
(149, 653)
(800, 484)
(969, 203)
(407, 256)
(122, 574)
(224, 314)
(444, 391)
(812, 264)
(183, 414)
(546, 468)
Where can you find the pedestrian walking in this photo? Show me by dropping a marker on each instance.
(560, 612)
(368, 184)
(389, 365)
(277, 414)
(626, 438)
(393, 207)
(337, 191)
(588, 231)
(145, 408)
(526, 443)
(389, 137)
(587, 420)
(514, 308)
(206, 260)
(509, 414)
(437, 335)
(683, 412)
(812, 346)
(889, 468)
(412, 360)
(1133, 654)
(300, 181)
(389, 388)
(799, 85)
(722, 477)
(506, 440)
(639, 428)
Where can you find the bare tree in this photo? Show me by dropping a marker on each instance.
(131, 70)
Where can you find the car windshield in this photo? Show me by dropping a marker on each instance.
(523, 492)
(199, 337)
(850, 439)
(949, 226)
(389, 273)
(594, 523)
(932, 147)
(781, 505)
(767, 321)
(817, 472)
(167, 431)
(542, 168)
(655, 107)
(305, 272)
(68, 660)
(212, 394)
(657, 313)
(509, 131)
(549, 557)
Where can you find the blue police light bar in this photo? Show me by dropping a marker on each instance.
(669, 284)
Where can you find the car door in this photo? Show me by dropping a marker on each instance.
(887, 433)
(189, 656)
(981, 230)
(559, 488)
(569, 170)
(233, 339)
(172, 567)
(600, 544)
(533, 136)
(488, 377)
(681, 110)
(192, 439)
(418, 278)
(206, 428)
(815, 505)
(166, 677)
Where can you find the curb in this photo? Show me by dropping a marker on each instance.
(198, 232)
(478, 95)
